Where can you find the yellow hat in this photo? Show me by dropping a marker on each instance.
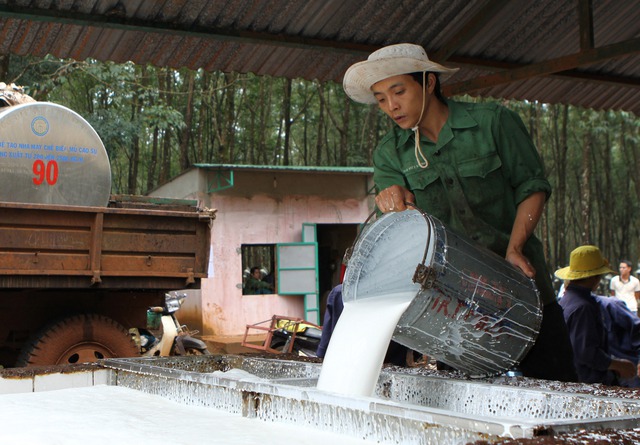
(585, 262)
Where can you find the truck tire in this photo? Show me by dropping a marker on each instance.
(79, 338)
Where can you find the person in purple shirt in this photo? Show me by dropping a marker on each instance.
(623, 333)
(397, 354)
(592, 355)
(331, 315)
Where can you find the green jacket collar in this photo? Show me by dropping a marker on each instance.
(459, 117)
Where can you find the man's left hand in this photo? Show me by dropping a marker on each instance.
(521, 262)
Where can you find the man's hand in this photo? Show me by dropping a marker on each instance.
(624, 368)
(392, 199)
(521, 262)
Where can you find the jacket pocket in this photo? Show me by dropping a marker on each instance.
(479, 167)
(483, 184)
(420, 179)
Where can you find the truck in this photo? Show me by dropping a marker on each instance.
(80, 266)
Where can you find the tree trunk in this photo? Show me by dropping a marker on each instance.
(286, 107)
(165, 84)
(563, 150)
(585, 191)
(229, 117)
(320, 138)
(264, 101)
(153, 160)
(188, 118)
(135, 152)
(371, 139)
(607, 200)
(344, 133)
(560, 118)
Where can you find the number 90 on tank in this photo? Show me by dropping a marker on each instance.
(50, 155)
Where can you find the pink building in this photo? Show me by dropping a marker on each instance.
(294, 223)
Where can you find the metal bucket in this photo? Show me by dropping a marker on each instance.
(472, 309)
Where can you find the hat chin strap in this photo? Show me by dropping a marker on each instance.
(421, 159)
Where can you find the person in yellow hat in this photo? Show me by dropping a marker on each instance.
(471, 165)
(593, 360)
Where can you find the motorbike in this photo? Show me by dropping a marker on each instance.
(295, 336)
(164, 335)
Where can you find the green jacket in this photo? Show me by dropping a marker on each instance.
(483, 165)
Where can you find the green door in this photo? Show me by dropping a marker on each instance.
(297, 269)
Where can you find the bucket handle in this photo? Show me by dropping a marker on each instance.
(423, 275)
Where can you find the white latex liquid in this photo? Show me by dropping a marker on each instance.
(114, 415)
(359, 343)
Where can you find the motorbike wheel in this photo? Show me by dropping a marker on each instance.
(278, 345)
(80, 338)
(194, 351)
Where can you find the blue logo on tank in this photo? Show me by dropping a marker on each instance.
(40, 126)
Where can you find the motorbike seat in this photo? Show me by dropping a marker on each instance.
(313, 333)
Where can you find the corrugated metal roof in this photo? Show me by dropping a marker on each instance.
(532, 49)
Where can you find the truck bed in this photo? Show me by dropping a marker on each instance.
(134, 243)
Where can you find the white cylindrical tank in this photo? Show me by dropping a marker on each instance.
(50, 155)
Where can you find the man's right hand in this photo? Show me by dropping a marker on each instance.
(392, 199)
(624, 368)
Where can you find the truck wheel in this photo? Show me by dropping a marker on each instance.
(80, 338)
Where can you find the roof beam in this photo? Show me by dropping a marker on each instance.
(547, 67)
(493, 65)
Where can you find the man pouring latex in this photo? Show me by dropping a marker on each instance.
(472, 166)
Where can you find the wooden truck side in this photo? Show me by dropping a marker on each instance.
(57, 262)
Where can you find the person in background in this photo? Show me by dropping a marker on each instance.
(561, 290)
(255, 285)
(471, 165)
(331, 316)
(626, 287)
(396, 354)
(592, 354)
(623, 334)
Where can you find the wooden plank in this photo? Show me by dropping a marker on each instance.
(44, 263)
(41, 239)
(141, 265)
(85, 247)
(149, 243)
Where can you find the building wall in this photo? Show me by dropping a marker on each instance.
(256, 220)
(261, 207)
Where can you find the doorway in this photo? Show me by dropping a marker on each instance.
(333, 241)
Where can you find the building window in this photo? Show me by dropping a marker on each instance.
(258, 269)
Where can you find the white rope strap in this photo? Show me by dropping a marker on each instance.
(421, 159)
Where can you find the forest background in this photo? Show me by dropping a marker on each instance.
(157, 122)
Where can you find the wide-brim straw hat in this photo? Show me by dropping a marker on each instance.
(393, 60)
(585, 262)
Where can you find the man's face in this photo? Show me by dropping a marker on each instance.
(256, 274)
(624, 269)
(400, 97)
